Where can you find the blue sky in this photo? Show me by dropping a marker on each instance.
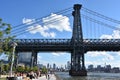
(21, 11)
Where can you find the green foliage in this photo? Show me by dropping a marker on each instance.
(27, 69)
(20, 69)
(44, 70)
(35, 68)
(5, 37)
(6, 67)
(1, 66)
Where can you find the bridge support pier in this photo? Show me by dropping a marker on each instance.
(34, 59)
(77, 64)
(78, 73)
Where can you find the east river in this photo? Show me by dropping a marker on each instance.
(91, 76)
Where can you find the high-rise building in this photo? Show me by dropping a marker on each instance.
(48, 66)
(90, 66)
(68, 65)
(54, 66)
(107, 68)
(65, 67)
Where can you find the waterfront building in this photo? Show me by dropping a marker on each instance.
(68, 65)
(108, 68)
(24, 58)
(91, 68)
(115, 70)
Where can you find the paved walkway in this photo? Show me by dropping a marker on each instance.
(51, 77)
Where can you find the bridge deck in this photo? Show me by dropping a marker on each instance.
(66, 44)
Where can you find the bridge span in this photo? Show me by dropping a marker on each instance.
(28, 45)
(76, 45)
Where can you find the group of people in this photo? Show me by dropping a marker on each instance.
(48, 74)
(26, 76)
(30, 75)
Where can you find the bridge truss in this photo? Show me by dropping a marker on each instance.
(77, 46)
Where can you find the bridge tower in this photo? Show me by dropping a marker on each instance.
(77, 54)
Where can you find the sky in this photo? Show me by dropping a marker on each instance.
(17, 12)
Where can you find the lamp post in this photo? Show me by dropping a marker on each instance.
(32, 61)
(13, 44)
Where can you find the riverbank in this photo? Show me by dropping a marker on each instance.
(43, 77)
(57, 77)
(50, 77)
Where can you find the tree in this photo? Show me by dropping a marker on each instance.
(6, 67)
(1, 66)
(44, 70)
(20, 68)
(35, 68)
(5, 39)
(27, 69)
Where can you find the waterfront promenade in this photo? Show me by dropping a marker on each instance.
(51, 77)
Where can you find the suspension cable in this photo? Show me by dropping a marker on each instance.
(100, 15)
(49, 22)
(100, 22)
(34, 22)
(59, 12)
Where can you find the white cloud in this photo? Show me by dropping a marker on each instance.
(54, 21)
(106, 56)
(95, 63)
(39, 57)
(28, 21)
(55, 54)
(58, 53)
(118, 53)
(58, 22)
(106, 37)
(114, 35)
(42, 30)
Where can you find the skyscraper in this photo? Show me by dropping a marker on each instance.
(48, 66)
(54, 66)
(68, 65)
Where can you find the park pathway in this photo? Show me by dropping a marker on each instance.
(51, 77)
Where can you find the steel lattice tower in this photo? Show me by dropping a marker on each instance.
(77, 55)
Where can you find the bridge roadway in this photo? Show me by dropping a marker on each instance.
(66, 45)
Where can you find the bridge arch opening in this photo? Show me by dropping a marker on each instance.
(54, 60)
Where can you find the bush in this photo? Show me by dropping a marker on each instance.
(20, 69)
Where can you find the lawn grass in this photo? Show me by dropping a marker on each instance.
(2, 78)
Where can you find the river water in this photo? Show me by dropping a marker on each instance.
(91, 76)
